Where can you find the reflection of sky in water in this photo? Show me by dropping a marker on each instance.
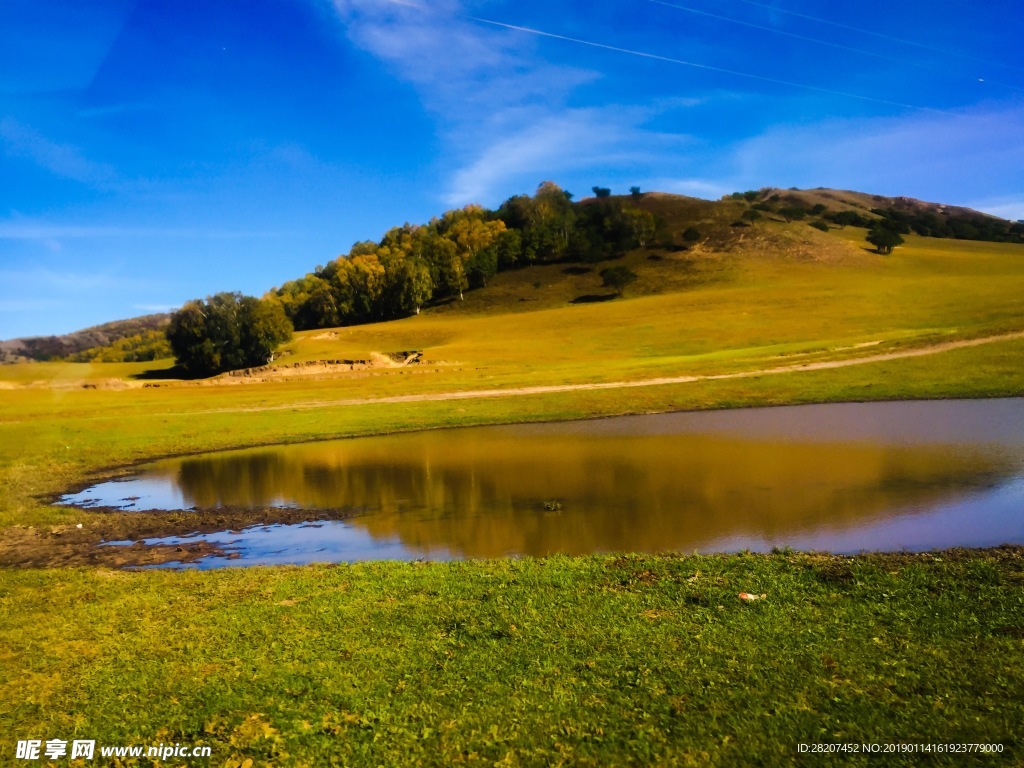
(132, 494)
(326, 541)
(979, 520)
(842, 478)
(994, 422)
(145, 493)
(985, 519)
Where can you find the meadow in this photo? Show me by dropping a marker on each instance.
(638, 659)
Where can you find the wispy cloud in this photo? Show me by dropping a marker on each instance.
(508, 116)
(902, 155)
(28, 305)
(569, 140)
(703, 188)
(61, 159)
(48, 232)
(461, 69)
(1007, 207)
(502, 109)
(69, 282)
(921, 155)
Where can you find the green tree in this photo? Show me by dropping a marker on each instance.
(446, 266)
(617, 277)
(635, 193)
(884, 239)
(601, 192)
(691, 234)
(641, 225)
(262, 327)
(509, 248)
(190, 341)
(227, 331)
(320, 309)
(409, 286)
(846, 218)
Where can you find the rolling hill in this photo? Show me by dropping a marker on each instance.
(697, 244)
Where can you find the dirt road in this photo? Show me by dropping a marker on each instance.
(544, 389)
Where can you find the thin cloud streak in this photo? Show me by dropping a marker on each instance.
(904, 62)
(501, 107)
(708, 67)
(880, 35)
(563, 142)
(61, 159)
(73, 283)
(51, 232)
(487, 87)
(1009, 207)
(914, 155)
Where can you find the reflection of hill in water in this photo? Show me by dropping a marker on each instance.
(481, 494)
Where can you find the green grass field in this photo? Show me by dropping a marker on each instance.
(607, 663)
(636, 660)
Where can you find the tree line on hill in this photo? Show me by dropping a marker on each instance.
(140, 338)
(415, 265)
(411, 266)
(925, 221)
(140, 348)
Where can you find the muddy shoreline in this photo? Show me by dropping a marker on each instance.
(85, 544)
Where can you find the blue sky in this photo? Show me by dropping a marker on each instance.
(154, 151)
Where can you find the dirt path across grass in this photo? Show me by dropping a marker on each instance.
(544, 389)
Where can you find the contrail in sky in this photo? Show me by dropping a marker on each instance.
(819, 41)
(881, 35)
(708, 67)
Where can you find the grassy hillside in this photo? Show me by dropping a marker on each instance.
(737, 231)
(85, 340)
(781, 291)
(777, 290)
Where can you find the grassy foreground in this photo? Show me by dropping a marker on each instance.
(600, 660)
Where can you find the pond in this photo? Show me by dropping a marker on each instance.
(841, 478)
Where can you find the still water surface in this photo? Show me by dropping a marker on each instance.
(841, 478)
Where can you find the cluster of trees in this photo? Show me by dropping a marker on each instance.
(884, 232)
(226, 332)
(409, 267)
(951, 224)
(848, 219)
(928, 222)
(413, 265)
(85, 345)
(789, 207)
(140, 348)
